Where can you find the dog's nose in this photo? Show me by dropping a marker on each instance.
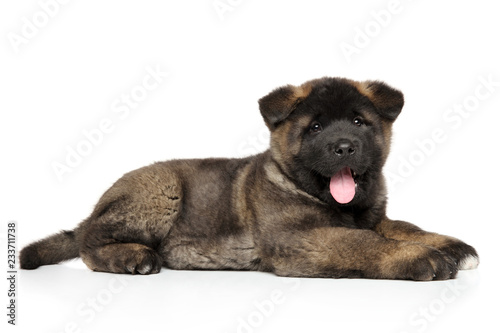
(344, 147)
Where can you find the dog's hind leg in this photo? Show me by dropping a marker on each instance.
(130, 222)
(123, 258)
(121, 243)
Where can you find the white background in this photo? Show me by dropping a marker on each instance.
(69, 73)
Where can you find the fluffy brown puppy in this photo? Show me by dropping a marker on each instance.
(313, 205)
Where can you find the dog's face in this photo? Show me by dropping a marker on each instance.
(332, 136)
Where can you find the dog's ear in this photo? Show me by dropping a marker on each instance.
(387, 100)
(278, 104)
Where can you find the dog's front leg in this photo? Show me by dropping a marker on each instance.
(342, 252)
(464, 255)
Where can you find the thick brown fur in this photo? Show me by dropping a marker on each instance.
(272, 211)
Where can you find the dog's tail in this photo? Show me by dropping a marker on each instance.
(51, 250)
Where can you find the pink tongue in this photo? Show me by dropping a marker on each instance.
(342, 186)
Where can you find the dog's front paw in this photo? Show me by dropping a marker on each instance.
(464, 255)
(421, 263)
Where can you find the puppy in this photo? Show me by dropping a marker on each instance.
(313, 205)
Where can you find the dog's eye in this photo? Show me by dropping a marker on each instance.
(358, 121)
(316, 127)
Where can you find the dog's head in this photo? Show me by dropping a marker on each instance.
(332, 135)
